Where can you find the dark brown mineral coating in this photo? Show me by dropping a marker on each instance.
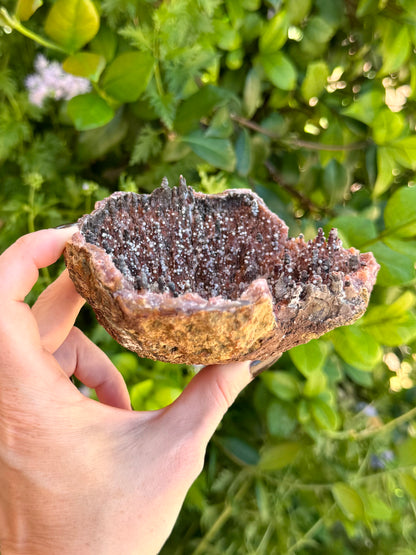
(191, 278)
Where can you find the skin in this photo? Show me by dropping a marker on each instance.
(76, 475)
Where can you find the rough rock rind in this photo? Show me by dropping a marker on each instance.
(185, 277)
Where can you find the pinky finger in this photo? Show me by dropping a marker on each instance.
(80, 357)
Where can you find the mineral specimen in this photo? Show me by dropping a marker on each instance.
(186, 277)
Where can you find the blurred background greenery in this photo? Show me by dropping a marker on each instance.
(311, 103)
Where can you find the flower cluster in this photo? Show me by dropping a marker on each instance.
(51, 81)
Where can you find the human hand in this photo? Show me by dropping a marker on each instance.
(76, 475)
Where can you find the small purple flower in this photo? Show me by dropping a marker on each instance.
(378, 462)
(368, 410)
(51, 81)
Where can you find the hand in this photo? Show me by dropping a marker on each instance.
(79, 476)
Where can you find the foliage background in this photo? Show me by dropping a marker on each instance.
(312, 104)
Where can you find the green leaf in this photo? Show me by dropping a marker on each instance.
(349, 501)
(95, 143)
(282, 384)
(221, 124)
(396, 268)
(405, 246)
(387, 126)
(335, 181)
(324, 415)
(89, 111)
(386, 167)
(395, 45)
(297, 10)
(375, 507)
(85, 64)
(243, 152)
(315, 384)
(139, 392)
(252, 95)
(279, 70)
(26, 8)
(400, 212)
(279, 456)
(281, 419)
(310, 356)
(319, 30)
(367, 7)
(315, 80)
(127, 364)
(217, 152)
(408, 483)
(164, 396)
(406, 452)
(104, 43)
(355, 229)
(357, 347)
(366, 107)
(359, 377)
(239, 450)
(392, 324)
(197, 106)
(128, 75)
(405, 151)
(274, 34)
(72, 23)
(147, 145)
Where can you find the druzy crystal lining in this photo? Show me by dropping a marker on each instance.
(175, 242)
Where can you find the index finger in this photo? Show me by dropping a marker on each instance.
(20, 263)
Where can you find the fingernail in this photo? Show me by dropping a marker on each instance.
(64, 226)
(259, 366)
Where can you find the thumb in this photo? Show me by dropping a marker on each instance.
(209, 395)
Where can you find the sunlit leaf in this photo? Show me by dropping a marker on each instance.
(406, 452)
(282, 384)
(72, 23)
(409, 484)
(280, 70)
(400, 212)
(26, 8)
(315, 384)
(309, 356)
(85, 64)
(349, 501)
(396, 268)
(315, 80)
(324, 415)
(274, 34)
(357, 347)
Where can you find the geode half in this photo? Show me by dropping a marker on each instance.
(187, 277)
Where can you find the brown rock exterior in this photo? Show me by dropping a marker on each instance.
(185, 277)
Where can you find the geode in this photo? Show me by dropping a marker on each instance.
(186, 277)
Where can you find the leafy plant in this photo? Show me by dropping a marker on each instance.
(312, 104)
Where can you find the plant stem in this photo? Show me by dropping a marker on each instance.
(387, 232)
(370, 432)
(221, 520)
(310, 533)
(304, 201)
(298, 143)
(15, 24)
